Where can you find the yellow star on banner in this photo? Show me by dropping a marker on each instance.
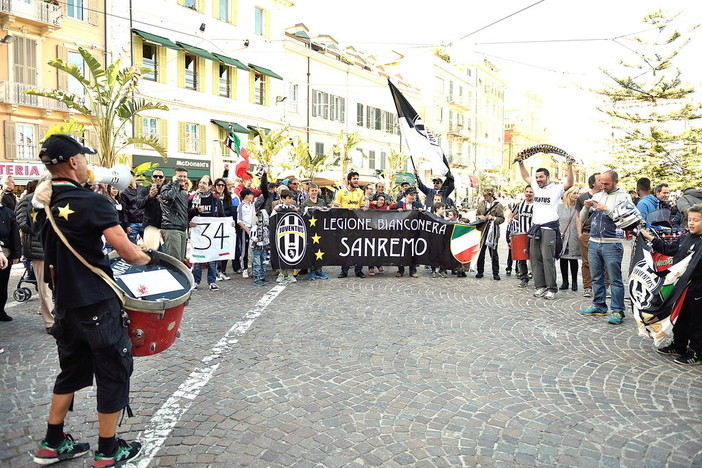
(65, 211)
(319, 254)
(313, 221)
(315, 238)
(34, 216)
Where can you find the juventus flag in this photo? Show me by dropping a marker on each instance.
(419, 139)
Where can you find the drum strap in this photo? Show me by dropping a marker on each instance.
(110, 282)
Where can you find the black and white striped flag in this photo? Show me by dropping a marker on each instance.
(419, 140)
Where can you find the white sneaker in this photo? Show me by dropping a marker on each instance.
(291, 279)
(550, 295)
(280, 278)
(245, 274)
(540, 292)
(224, 277)
(214, 287)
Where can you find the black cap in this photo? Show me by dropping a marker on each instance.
(59, 148)
(410, 191)
(437, 180)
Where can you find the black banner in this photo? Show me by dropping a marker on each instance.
(369, 238)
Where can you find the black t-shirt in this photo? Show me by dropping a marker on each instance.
(81, 215)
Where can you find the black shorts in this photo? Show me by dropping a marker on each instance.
(94, 340)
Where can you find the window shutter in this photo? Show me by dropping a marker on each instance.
(19, 59)
(93, 16)
(181, 69)
(161, 64)
(252, 86)
(233, 77)
(62, 54)
(315, 100)
(267, 24)
(200, 69)
(43, 128)
(202, 139)
(181, 137)
(10, 140)
(138, 51)
(215, 78)
(31, 63)
(233, 11)
(163, 132)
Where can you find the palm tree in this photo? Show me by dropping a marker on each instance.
(309, 164)
(345, 144)
(109, 103)
(268, 147)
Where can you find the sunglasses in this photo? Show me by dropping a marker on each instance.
(221, 185)
(156, 176)
(292, 183)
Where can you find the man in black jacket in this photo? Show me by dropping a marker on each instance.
(8, 196)
(441, 187)
(133, 214)
(174, 211)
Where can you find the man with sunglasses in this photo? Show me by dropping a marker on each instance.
(148, 200)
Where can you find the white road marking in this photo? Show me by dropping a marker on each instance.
(166, 418)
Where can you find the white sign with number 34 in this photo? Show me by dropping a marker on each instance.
(213, 239)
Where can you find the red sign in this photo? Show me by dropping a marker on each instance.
(24, 170)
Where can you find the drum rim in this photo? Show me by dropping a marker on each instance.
(141, 305)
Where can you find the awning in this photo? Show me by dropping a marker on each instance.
(265, 71)
(231, 62)
(230, 125)
(156, 39)
(254, 129)
(198, 52)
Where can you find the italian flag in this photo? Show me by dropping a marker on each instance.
(465, 242)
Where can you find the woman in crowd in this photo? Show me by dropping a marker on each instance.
(225, 196)
(9, 254)
(570, 254)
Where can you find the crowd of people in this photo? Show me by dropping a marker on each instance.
(559, 223)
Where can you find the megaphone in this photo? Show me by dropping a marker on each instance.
(119, 176)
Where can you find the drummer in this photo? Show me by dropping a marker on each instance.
(89, 328)
(520, 222)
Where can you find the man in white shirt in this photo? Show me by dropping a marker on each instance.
(544, 235)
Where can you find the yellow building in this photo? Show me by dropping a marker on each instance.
(34, 32)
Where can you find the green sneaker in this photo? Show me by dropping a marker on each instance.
(592, 311)
(616, 318)
(66, 450)
(125, 452)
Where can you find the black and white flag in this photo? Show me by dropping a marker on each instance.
(419, 139)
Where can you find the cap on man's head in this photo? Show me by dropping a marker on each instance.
(404, 184)
(306, 180)
(411, 191)
(437, 180)
(59, 148)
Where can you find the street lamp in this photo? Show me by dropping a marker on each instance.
(8, 39)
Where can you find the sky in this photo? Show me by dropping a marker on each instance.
(553, 47)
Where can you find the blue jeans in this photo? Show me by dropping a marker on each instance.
(259, 268)
(606, 256)
(211, 272)
(137, 230)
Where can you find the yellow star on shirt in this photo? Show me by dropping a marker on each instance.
(315, 238)
(313, 221)
(319, 254)
(65, 211)
(34, 216)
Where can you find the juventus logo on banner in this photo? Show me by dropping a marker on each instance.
(291, 238)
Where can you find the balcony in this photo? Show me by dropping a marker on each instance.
(38, 12)
(13, 93)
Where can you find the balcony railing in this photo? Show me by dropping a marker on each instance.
(38, 11)
(13, 93)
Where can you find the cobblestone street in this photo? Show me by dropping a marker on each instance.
(381, 371)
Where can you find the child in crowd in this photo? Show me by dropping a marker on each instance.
(688, 327)
(286, 204)
(380, 203)
(260, 243)
(312, 203)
